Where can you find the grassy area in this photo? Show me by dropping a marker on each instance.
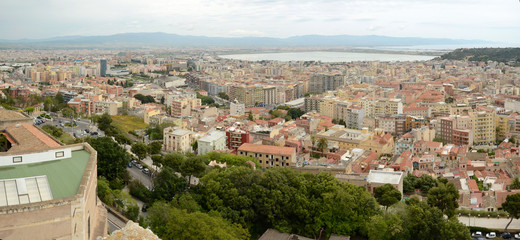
(66, 138)
(128, 123)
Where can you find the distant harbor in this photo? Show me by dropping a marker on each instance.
(324, 56)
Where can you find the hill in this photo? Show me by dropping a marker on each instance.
(158, 39)
(505, 55)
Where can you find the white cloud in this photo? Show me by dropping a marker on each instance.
(496, 20)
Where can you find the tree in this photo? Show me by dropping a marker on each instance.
(167, 184)
(515, 184)
(223, 95)
(295, 113)
(144, 98)
(174, 160)
(140, 150)
(104, 122)
(157, 161)
(387, 195)
(195, 145)
(322, 145)
(111, 158)
(512, 206)
(250, 117)
(29, 110)
(193, 166)
(444, 197)
(155, 147)
(425, 183)
(409, 183)
(385, 227)
(171, 223)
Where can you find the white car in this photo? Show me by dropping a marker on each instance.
(491, 235)
(517, 236)
(477, 234)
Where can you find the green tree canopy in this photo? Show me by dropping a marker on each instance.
(444, 197)
(171, 223)
(387, 195)
(140, 150)
(112, 159)
(512, 206)
(155, 147)
(515, 184)
(167, 184)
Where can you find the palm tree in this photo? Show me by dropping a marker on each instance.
(322, 145)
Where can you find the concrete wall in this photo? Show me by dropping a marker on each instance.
(34, 157)
(65, 218)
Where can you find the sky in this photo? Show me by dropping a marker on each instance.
(491, 20)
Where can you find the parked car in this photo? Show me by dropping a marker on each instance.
(506, 235)
(139, 166)
(94, 133)
(134, 162)
(144, 208)
(517, 235)
(146, 171)
(87, 130)
(129, 164)
(491, 235)
(477, 234)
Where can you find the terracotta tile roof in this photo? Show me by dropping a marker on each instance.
(259, 148)
(28, 137)
(473, 185)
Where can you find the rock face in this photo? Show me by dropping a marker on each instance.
(132, 230)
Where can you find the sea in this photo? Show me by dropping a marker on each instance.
(326, 56)
(345, 56)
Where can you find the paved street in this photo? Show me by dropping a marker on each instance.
(114, 223)
(79, 130)
(492, 223)
(135, 173)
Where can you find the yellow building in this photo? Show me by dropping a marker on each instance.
(347, 139)
(269, 156)
(327, 107)
(502, 126)
(484, 128)
(377, 107)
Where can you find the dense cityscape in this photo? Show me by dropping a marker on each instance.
(265, 119)
(263, 148)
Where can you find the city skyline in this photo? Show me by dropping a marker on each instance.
(495, 21)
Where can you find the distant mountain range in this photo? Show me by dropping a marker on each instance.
(147, 40)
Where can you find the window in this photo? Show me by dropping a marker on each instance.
(17, 159)
(60, 154)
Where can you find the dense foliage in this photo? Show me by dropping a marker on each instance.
(289, 201)
(169, 222)
(485, 54)
(112, 159)
(144, 98)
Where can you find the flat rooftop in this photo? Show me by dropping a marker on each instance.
(8, 114)
(63, 175)
(384, 177)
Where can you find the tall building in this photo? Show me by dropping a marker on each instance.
(103, 67)
(484, 128)
(320, 83)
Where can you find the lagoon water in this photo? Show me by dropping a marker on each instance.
(328, 56)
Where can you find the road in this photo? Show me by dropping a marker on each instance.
(79, 129)
(492, 223)
(114, 223)
(135, 173)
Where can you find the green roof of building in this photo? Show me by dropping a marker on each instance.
(64, 175)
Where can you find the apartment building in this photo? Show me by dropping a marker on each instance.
(236, 136)
(377, 107)
(320, 83)
(214, 141)
(82, 105)
(237, 109)
(484, 128)
(107, 107)
(269, 156)
(182, 107)
(177, 140)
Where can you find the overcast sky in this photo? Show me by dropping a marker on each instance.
(493, 20)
